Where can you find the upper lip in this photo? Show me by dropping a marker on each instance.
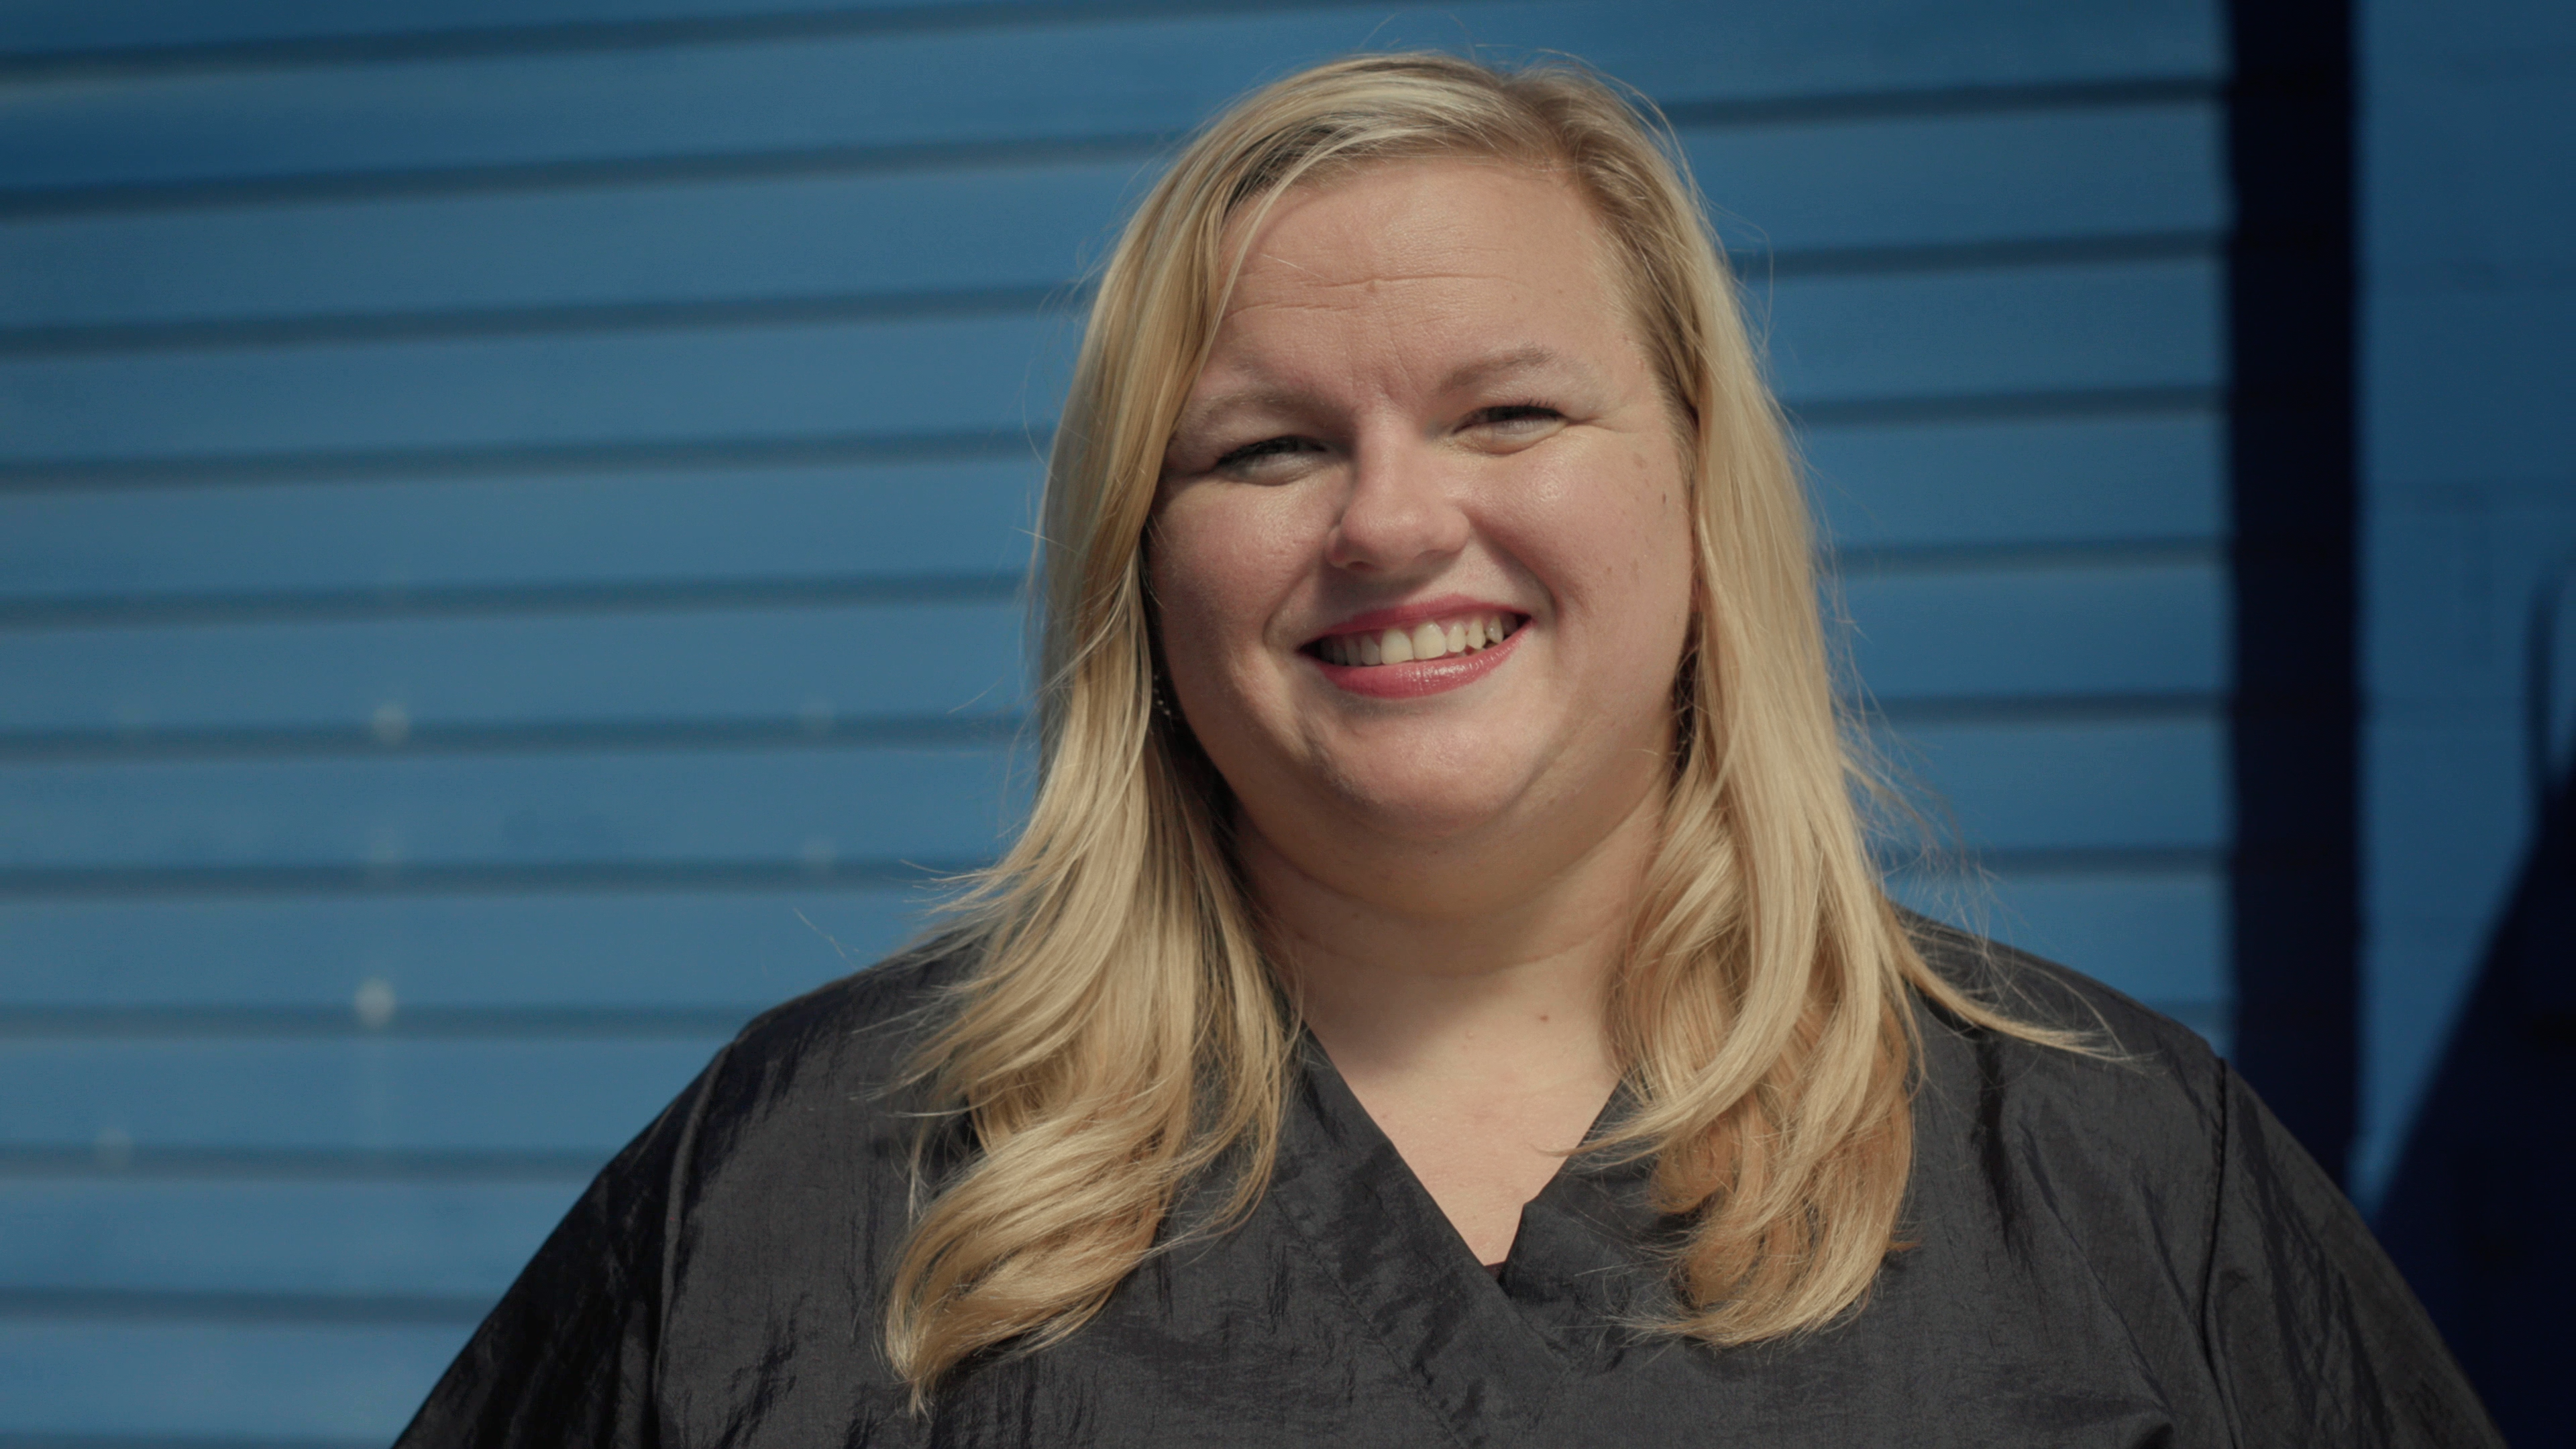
(1405, 616)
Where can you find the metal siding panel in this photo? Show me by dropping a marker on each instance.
(546, 951)
(2026, 483)
(318, 1385)
(1840, 340)
(353, 1095)
(2033, 633)
(720, 385)
(340, 1242)
(584, 530)
(527, 523)
(1880, 183)
(817, 669)
(1009, 86)
(2156, 785)
(779, 808)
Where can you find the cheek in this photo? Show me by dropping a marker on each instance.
(1218, 567)
(1614, 540)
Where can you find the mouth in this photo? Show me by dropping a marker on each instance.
(1428, 641)
(1411, 653)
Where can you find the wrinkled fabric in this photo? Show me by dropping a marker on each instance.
(2123, 1250)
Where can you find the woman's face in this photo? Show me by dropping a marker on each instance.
(1421, 554)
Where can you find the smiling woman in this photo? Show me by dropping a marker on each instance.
(1442, 992)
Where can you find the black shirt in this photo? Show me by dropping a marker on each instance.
(2122, 1251)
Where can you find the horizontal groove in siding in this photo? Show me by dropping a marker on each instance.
(260, 333)
(2103, 402)
(861, 160)
(397, 602)
(1941, 102)
(178, 1442)
(2049, 708)
(2078, 861)
(691, 594)
(931, 732)
(860, 449)
(19, 1023)
(1155, 74)
(129, 1305)
(568, 737)
(1874, 562)
(337, 881)
(298, 1164)
(867, 448)
(364, 45)
(703, 954)
(1759, 269)
(427, 880)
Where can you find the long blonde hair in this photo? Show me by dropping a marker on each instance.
(1119, 1034)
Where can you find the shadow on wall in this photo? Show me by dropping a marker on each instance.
(2479, 1213)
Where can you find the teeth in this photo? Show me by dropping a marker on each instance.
(1423, 641)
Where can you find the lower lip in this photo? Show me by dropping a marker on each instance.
(1412, 681)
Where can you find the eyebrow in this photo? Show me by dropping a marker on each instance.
(1484, 370)
(1533, 358)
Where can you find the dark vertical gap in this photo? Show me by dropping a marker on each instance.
(2476, 1214)
(2296, 753)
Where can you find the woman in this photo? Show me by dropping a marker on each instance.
(1442, 992)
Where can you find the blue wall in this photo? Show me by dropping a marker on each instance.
(510, 517)
(2469, 469)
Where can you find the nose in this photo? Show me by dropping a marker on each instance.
(1403, 510)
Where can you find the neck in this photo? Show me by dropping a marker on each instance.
(1465, 975)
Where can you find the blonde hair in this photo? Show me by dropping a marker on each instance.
(1119, 1034)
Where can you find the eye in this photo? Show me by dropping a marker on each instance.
(1512, 424)
(1268, 457)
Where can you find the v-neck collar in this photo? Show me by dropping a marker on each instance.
(1488, 1354)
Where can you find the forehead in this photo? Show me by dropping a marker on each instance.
(1425, 248)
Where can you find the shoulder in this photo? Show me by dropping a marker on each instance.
(2137, 1105)
(2046, 994)
(834, 1063)
(864, 1026)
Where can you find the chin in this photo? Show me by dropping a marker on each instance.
(1435, 810)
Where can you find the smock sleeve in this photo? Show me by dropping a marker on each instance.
(568, 1356)
(2313, 1336)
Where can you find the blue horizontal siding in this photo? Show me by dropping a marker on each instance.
(2033, 633)
(1837, 341)
(1977, 486)
(2037, 329)
(394, 540)
(2053, 789)
(403, 680)
(785, 808)
(1987, 487)
(2159, 935)
(710, 385)
(166, 28)
(374, 1095)
(1958, 181)
(473, 475)
(548, 952)
(1005, 87)
(2102, 630)
(185, 1382)
(130, 1233)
